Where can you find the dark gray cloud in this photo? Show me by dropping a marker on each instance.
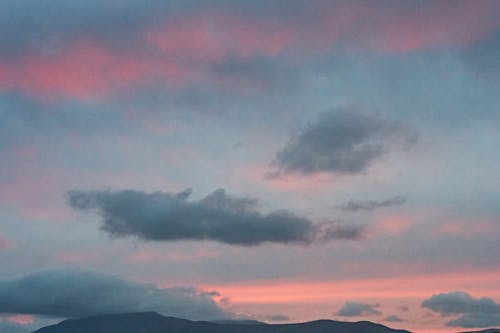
(343, 141)
(473, 312)
(393, 319)
(68, 294)
(328, 231)
(163, 216)
(278, 317)
(360, 205)
(355, 309)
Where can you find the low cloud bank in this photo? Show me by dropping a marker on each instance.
(69, 294)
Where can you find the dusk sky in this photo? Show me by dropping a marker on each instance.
(278, 160)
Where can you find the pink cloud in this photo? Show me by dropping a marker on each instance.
(84, 70)
(21, 319)
(181, 51)
(393, 224)
(439, 24)
(259, 174)
(466, 228)
(208, 36)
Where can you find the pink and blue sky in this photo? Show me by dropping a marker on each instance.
(278, 160)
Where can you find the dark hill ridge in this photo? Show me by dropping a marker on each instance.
(151, 322)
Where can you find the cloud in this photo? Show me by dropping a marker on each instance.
(278, 317)
(342, 141)
(359, 205)
(125, 44)
(22, 323)
(355, 309)
(69, 294)
(393, 319)
(328, 231)
(473, 312)
(37, 25)
(162, 216)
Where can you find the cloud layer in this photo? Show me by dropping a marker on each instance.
(163, 216)
(355, 309)
(45, 46)
(473, 312)
(342, 141)
(69, 294)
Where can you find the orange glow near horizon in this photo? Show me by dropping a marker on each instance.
(21, 319)
(311, 300)
(423, 286)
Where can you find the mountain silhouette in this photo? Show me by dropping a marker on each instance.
(151, 322)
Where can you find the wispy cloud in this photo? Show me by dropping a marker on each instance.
(368, 205)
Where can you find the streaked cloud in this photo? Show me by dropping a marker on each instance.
(368, 205)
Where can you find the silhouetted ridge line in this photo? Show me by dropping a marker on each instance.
(152, 322)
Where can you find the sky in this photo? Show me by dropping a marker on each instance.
(279, 160)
